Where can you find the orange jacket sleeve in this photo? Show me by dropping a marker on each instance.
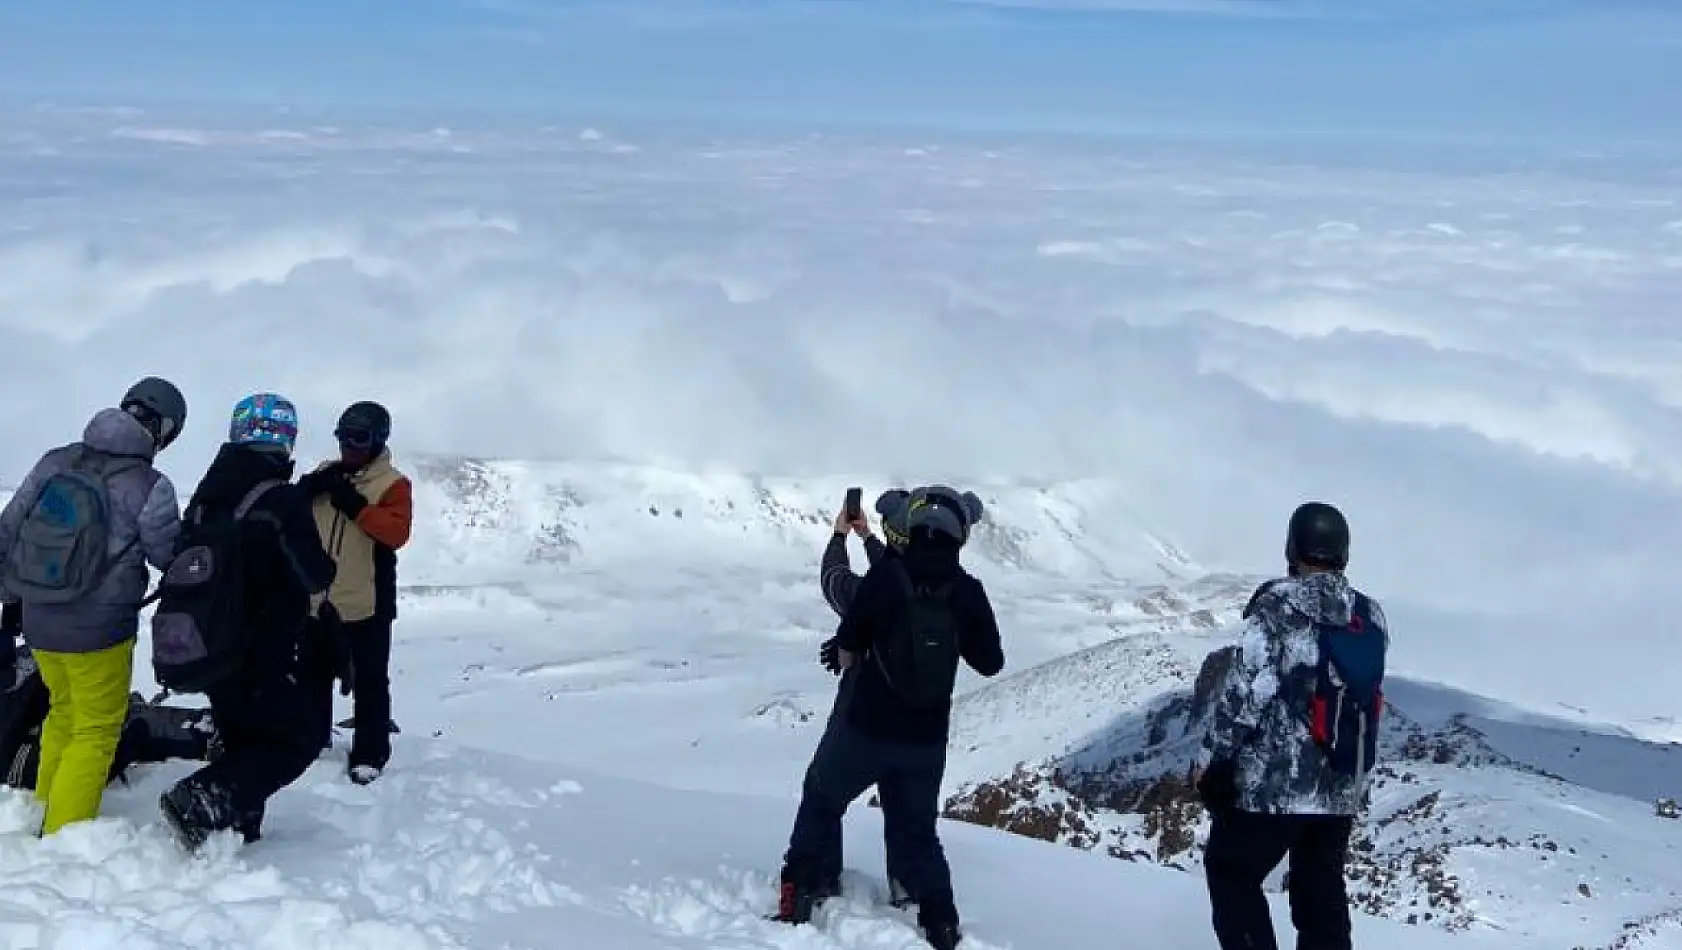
(388, 521)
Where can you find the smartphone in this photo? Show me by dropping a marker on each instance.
(855, 497)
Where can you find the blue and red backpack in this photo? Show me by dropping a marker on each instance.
(1348, 697)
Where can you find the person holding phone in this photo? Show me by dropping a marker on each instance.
(839, 583)
(907, 625)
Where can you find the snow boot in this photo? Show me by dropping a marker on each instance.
(193, 813)
(250, 826)
(365, 774)
(939, 929)
(796, 899)
(943, 936)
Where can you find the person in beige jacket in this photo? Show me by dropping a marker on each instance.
(363, 508)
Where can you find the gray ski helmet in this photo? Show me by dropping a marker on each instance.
(159, 406)
(891, 505)
(1318, 535)
(939, 509)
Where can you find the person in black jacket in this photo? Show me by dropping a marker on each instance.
(276, 713)
(839, 583)
(882, 738)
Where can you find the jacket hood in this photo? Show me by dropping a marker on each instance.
(1324, 596)
(115, 432)
(235, 471)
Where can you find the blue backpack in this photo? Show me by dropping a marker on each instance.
(61, 552)
(1348, 696)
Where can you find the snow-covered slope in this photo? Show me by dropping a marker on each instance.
(655, 633)
(466, 850)
(481, 518)
(1073, 562)
(1482, 816)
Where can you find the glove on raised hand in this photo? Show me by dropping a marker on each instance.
(316, 482)
(827, 655)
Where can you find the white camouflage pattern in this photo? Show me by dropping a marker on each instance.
(1279, 768)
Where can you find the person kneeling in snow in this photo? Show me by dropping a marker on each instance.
(913, 618)
(1291, 740)
(274, 710)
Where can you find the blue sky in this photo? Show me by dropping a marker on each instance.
(1579, 72)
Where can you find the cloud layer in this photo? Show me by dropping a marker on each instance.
(1477, 362)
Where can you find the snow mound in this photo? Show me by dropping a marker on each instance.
(733, 908)
(425, 860)
(455, 849)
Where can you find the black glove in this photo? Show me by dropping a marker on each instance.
(345, 497)
(828, 656)
(1218, 786)
(315, 483)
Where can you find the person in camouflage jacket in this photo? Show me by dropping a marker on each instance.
(1266, 781)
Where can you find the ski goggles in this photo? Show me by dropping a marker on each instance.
(354, 438)
(155, 422)
(939, 512)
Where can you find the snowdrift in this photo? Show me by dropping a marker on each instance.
(464, 850)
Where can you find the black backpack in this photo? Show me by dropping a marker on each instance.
(200, 629)
(919, 657)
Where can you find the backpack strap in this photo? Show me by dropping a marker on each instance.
(246, 502)
(1360, 611)
(253, 496)
(1360, 622)
(105, 466)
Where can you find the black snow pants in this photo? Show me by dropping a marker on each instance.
(893, 815)
(907, 777)
(271, 730)
(1245, 847)
(370, 657)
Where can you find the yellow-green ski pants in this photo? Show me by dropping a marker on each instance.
(87, 706)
